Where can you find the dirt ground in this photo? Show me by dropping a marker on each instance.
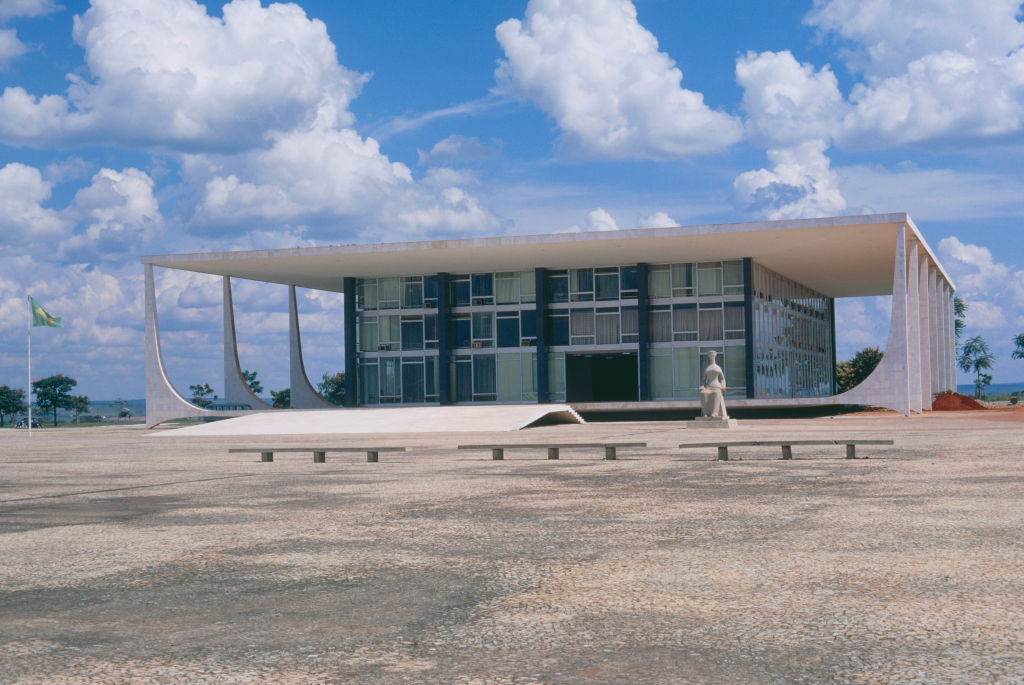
(129, 557)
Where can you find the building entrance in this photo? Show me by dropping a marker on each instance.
(601, 377)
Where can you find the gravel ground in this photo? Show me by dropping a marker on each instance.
(130, 558)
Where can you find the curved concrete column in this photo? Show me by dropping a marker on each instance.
(914, 328)
(163, 403)
(927, 341)
(236, 390)
(304, 395)
(889, 384)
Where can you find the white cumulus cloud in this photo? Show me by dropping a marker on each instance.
(10, 9)
(456, 148)
(163, 73)
(659, 220)
(10, 46)
(972, 267)
(591, 66)
(800, 184)
(597, 220)
(23, 218)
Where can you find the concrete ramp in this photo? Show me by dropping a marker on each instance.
(507, 417)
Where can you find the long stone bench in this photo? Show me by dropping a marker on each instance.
(786, 445)
(319, 453)
(498, 450)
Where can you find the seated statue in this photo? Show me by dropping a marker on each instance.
(712, 403)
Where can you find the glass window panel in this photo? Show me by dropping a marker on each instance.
(412, 381)
(733, 272)
(389, 331)
(581, 285)
(368, 333)
(684, 322)
(529, 375)
(558, 286)
(630, 280)
(734, 312)
(686, 371)
(709, 280)
(510, 378)
(711, 325)
(412, 292)
(483, 288)
(483, 374)
(608, 328)
(483, 329)
(430, 330)
(390, 290)
(556, 374)
(528, 324)
(683, 280)
(735, 367)
(508, 330)
(661, 374)
(366, 294)
(659, 282)
(463, 379)
(390, 383)
(528, 286)
(558, 328)
(412, 333)
(430, 379)
(581, 326)
(630, 325)
(506, 287)
(462, 331)
(369, 384)
(608, 286)
(460, 291)
(660, 324)
(430, 291)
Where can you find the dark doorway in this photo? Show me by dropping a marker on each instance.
(601, 377)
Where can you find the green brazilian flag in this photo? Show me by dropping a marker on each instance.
(41, 317)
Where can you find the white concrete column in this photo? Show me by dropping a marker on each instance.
(163, 402)
(303, 395)
(236, 390)
(926, 340)
(950, 336)
(914, 328)
(934, 329)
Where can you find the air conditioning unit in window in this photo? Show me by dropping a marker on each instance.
(384, 347)
(477, 345)
(528, 342)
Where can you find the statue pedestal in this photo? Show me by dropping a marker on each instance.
(714, 422)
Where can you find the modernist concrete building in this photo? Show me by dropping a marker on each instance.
(608, 320)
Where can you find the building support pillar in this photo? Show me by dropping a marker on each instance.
(540, 285)
(444, 353)
(933, 329)
(643, 345)
(303, 394)
(236, 390)
(163, 402)
(748, 325)
(914, 328)
(925, 334)
(351, 353)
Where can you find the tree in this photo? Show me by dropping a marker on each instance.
(12, 401)
(282, 398)
(852, 372)
(79, 405)
(123, 412)
(201, 394)
(332, 388)
(959, 318)
(1019, 352)
(53, 393)
(975, 356)
(250, 379)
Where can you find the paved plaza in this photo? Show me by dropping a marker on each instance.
(130, 557)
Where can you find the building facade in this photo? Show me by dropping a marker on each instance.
(614, 320)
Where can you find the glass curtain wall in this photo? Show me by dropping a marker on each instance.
(793, 354)
(694, 308)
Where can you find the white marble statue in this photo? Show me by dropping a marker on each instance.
(712, 404)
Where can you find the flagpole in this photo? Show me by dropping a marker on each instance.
(29, 392)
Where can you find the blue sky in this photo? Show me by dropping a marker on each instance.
(154, 126)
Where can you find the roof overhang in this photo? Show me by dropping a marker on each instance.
(836, 256)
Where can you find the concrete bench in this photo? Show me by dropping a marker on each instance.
(498, 451)
(786, 445)
(319, 453)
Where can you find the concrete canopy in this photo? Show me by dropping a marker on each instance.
(837, 256)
